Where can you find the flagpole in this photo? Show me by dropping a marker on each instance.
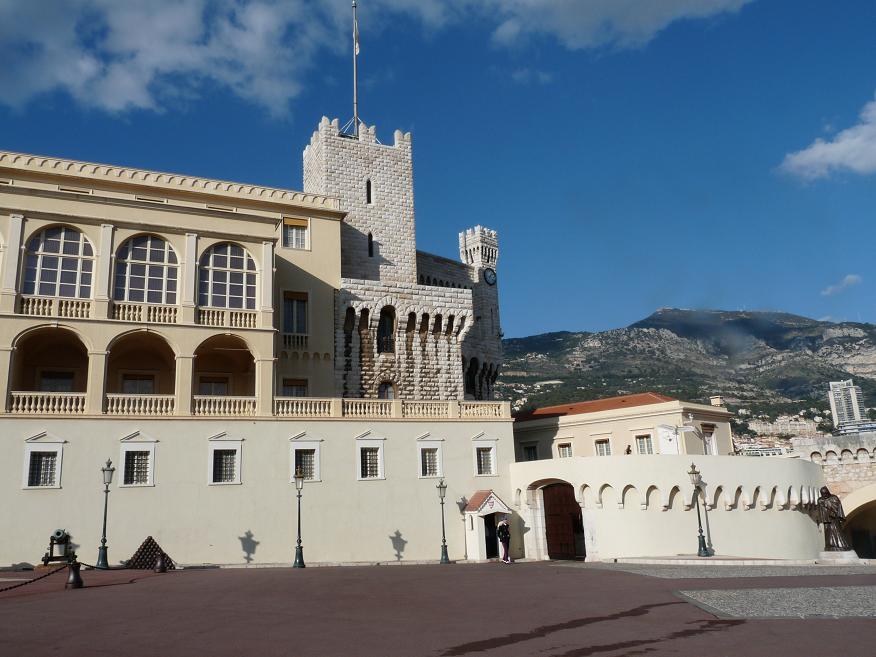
(355, 81)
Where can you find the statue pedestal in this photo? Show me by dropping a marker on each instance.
(838, 558)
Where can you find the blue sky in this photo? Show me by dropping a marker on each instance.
(632, 154)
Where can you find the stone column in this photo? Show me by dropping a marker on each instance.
(183, 388)
(8, 284)
(103, 272)
(189, 279)
(5, 376)
(266, 286)
(264, 386)
(96, 382)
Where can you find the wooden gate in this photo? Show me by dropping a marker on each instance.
(562, 514)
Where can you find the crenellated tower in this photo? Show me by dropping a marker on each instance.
(375, 184)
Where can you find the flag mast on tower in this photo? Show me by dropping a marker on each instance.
(355, 62)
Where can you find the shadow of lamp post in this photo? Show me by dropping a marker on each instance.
(299, 553)
(442, 491)
(696, 479)
(107, 471)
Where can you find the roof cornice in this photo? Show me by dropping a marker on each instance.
(165, 181)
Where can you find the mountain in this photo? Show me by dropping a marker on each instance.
(760, 360)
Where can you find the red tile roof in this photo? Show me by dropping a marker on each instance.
(607, 404)
(477, 500)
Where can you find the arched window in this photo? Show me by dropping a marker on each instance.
(386, 390)
(146, 270)
(386, 330)
(58, 263)
(370, 245)
(368, 191)
(226, 278)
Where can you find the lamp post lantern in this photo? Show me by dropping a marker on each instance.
(442, 491)
(696, 479)
(107, 472)
(299, 552)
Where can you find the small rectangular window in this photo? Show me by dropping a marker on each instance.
(295, 313)
(305, 461)
(138, 384)
(294, 388)
(42, 469)
(603, 448)
(56, 381)
(644, 444)
(295, 233)
(224, 466)
(369, 462)
(564, 450)
(485, 460)
(530, 452)
(429, 462)
(216, 386)
(136, 468)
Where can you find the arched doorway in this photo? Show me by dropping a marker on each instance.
(49, 372)
(224, 378)
(141, 375)
(861, 530)
(564, 529)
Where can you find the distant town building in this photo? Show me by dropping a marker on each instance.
(791, 425)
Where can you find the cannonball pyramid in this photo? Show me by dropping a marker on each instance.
(147, 555)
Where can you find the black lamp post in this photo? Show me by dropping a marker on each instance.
(107, 471)
(299, 553)
(695, 479)
(442, 491)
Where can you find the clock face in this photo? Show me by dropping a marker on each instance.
(490, 276)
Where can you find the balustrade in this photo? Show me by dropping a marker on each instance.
(55, 307)
(302, 407)
(426, 409)
(371, 408)
(139, 404)
(223, 406)
(227, 318)
(295, 341)
(145, 312)
(48, 403)
(481, 409)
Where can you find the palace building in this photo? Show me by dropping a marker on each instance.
(214, 338)
(211, 337)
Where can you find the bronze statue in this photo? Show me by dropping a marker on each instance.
(831, 515)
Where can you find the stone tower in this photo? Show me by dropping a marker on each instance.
(482, 350)
(376, 186)
(408, 324)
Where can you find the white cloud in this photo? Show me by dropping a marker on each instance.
(118, 56)
(528, 75)
(848, 281)
(595, 23)
(852, 149)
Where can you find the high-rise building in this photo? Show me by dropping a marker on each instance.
(846, 404)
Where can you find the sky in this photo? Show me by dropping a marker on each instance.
(631, 154)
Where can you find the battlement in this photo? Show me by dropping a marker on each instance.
(367, 135)
(479, 247)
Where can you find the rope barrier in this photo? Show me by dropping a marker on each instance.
(35, 579)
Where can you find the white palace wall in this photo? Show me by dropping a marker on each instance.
(643, 506)
(344, 519)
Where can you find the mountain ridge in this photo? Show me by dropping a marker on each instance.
(753, 358)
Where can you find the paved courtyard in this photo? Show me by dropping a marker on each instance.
(544, 609)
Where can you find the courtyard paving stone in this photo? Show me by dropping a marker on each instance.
(823, 601)
(485, 610)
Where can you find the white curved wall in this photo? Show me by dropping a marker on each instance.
(641, 507)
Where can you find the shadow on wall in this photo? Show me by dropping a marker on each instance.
(248, 545)
(398, 544)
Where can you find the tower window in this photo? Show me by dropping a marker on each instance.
(370, 245)
(368, 191)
